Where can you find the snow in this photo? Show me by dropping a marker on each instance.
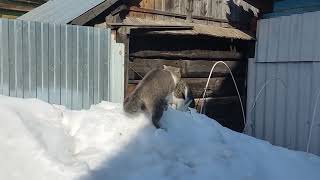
(40, 141)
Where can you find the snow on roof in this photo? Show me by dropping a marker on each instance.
(60, 11)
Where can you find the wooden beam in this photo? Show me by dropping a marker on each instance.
(123, 37)
(218, 87)
(189, 68)
(149, 26)
(12, 7)
(187, 54)
(94, 12)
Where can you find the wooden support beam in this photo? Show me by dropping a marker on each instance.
(123, 37)
(218, 87)
(187, 54)
(189, 68)
(154, 26)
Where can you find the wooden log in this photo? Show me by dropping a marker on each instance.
(218, 87)
(187, 54)
(138, 68)
(225, 110)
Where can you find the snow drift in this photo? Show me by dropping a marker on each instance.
(40, 141)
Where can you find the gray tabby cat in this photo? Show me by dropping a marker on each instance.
(152, 93)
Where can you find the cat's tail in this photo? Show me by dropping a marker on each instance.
(132, 104)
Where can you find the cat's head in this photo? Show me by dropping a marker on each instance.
(173, 70)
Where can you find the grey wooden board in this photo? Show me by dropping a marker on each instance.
(60, 64)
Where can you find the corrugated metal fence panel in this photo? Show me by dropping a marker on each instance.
(289, 38)
(60, 64)
(285, 95)
(283, 82)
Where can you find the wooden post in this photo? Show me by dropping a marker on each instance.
(123, 36)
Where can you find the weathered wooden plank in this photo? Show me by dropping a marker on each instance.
(169, 5)
(158, 5)
(148, 4)
(169, 13)
(188, 54)
(183, 7)
(176, 7)
(192, 69)
(199, 8)
(218, 87)
(209, 8)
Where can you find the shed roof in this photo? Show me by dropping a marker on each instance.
(197, 29)
(60, 11)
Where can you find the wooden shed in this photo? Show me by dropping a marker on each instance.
(190, 34)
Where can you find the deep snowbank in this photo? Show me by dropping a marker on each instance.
(39, 141)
